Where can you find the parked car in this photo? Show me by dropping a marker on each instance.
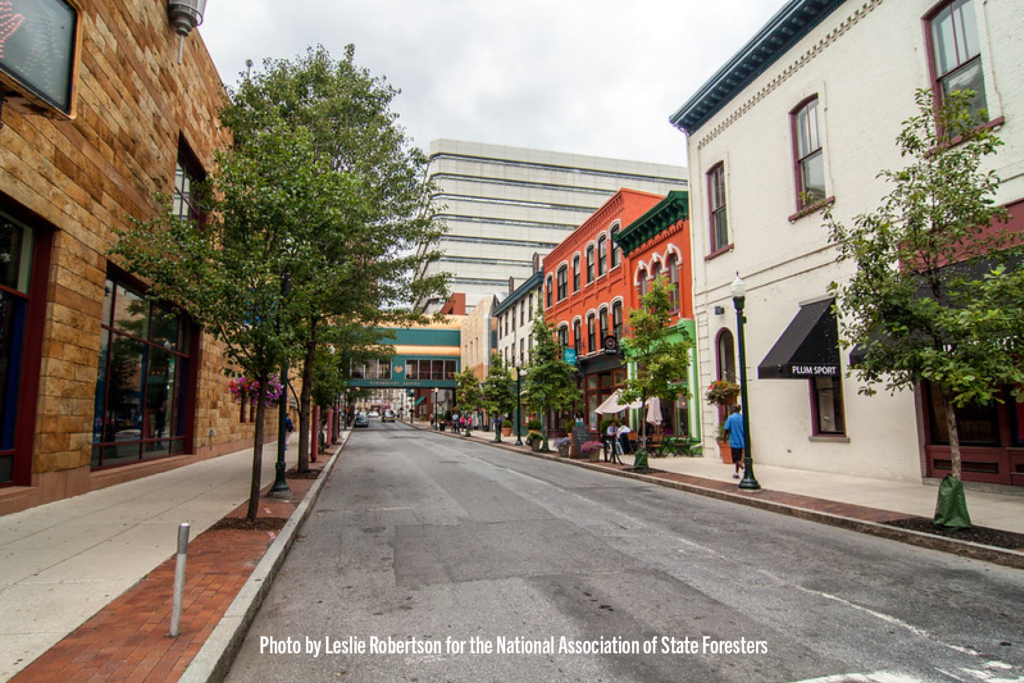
(361, 420)
(388, 416)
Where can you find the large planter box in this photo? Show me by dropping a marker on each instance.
(506, 431)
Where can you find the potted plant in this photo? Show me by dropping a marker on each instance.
(506, 427)
(592, 450)
(722, 393)
(724, 449)
(563, 444)
(534, 439)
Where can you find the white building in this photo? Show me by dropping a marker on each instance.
(502, 205)
(814, 103)
(514, 319)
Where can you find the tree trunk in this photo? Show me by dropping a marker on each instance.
(257, 449)
(954, 435)
(305, 401)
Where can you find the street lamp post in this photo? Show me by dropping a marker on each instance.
(739, 296)
(437, 426)
(519, 408)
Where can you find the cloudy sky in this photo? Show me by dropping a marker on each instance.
(596, 77)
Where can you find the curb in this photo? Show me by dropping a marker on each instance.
(213, 661)
(975, 551)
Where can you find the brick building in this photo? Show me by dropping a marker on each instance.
(99, 385)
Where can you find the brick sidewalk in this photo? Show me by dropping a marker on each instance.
(127, 640)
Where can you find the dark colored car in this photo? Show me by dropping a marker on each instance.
(388, 416)
(361, 420)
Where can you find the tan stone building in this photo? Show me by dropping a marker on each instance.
(96, 384)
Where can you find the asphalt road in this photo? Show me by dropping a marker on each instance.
(426, 555)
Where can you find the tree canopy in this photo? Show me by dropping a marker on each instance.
(936, 295)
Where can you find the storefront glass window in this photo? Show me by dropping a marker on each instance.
(16, 245)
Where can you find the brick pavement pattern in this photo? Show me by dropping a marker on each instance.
(128, 639)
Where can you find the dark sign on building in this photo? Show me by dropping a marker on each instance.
(37, 53)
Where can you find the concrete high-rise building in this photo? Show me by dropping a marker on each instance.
(502, 205)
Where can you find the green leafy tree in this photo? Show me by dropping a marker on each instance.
(661, 365)
(226, 272)
(361, 241)
(936, 296)
(550, 381)
(499, 392)
(468, 396)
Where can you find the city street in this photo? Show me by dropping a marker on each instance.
(436, 559)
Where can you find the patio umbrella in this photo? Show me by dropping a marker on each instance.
(654, 410)
(611, 406)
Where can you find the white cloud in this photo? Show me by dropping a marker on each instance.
(596, 77)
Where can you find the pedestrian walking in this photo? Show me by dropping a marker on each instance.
(737, 440)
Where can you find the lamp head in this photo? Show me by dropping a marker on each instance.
(738, 288)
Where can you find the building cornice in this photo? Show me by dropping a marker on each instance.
(532, 283)
(669, 211)
(781, 33)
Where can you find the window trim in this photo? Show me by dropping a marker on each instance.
(713, 210)
(602, 255)
(562, 280)
(798, 161)
(935, 77)
(616, 250)
(576, 273)
(590, 263)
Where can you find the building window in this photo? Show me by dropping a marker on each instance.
(142, 380)
(957, 52)
(563, 283)
(591, 339)
(655, 271)
(550, 290)
(188, 175)
(641, 281)
(672, 266)
(522, 312)
(810, 160)
(726, 356)
(617, 320)
(590, 264)
(602, 254)
(577, 334)
(576, 273)
(529, 309)
(616, 249)
(602, 321)
(716, 203)
(827, 406)
(522, 352)
(976, 425)
(17, 250)
(563, 336)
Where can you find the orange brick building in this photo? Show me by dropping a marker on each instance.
(588, 286)
(97, 384)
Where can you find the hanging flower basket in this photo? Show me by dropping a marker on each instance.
(722, 393)
(245, 390)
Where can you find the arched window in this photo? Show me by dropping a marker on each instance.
(602, 254)
(590, 264)
(726, 356)
(641, 282)
(617, 320)
(655, 270)
(577, 337)
(563, 336)
(672, 266)
(563, 283)
(616, 249)
(551, 287)
(591, 332)
(576, 273)
(602, 321)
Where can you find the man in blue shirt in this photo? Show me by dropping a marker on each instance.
(734, 425)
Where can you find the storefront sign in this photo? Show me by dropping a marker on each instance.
(37, 53)
(611, 345)
(813, 370)
(569, 355)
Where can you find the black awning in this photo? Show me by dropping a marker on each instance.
(808, 348)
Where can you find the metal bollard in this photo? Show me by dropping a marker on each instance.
(179, 579)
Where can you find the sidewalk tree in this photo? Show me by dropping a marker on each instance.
(358, 254)
(936, 302)
(661, 365)
(499, 392)
(468, 397)
(550, 381)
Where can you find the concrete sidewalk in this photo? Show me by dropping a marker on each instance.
(62, 562)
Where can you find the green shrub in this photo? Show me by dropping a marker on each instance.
(534, 425)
